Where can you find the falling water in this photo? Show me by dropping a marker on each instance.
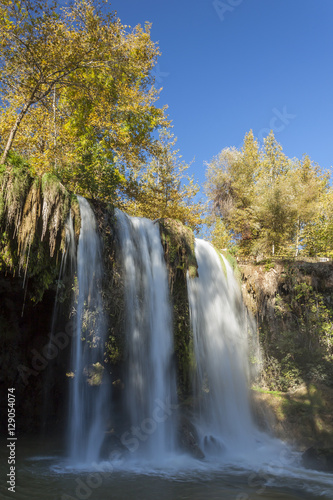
(252, 463)
(150, 386)
(89, 391)
(220, 344)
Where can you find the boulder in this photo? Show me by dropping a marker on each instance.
(319, 459)
(188, 438)
(112, 448)
(213, 446)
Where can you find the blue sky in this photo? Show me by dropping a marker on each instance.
(229, 66)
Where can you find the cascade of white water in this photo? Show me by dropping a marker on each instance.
(150, 382)
(89, 391)
(220, 344)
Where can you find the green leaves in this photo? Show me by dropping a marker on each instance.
(270, 205)
(164, 190)
(79, 92)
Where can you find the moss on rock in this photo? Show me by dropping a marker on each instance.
(178, 245)
(55, 210)
(113, 288)
(33, 213)
(293, 306)
(15, 183)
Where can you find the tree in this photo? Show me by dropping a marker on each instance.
(82, 81)
(269, 204)
(309, 186)
(220, 236)
(164, 189)
(38, 51)
(220, 184)
(111, 121)
(317, 235)
(275, 215)
(273, 200)
(230, 186)
(274, 163)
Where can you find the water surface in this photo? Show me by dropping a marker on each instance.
(44, 473)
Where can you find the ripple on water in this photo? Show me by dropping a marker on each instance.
(180, 477)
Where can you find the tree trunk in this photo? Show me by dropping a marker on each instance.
(55, 127)
(14, 130)
(54, 117)
(297, 237)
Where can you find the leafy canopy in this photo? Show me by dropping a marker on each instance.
(164, 189)
(77, 92)
(267, 203)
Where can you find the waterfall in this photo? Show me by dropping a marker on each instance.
(150, 381)
(149, 397)
(89, 392)
(220, 344)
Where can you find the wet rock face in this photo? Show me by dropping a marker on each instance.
(178, 245)
(112, 448)
(320, 459)
(213, 446)
(261, 284)
(27, 362)
(292, 303)
(188, 438)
